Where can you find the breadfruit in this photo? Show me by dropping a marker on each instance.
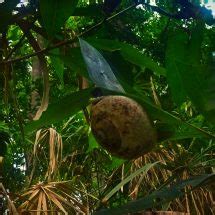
(122, 126)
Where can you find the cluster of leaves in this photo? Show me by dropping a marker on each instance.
(163, 60)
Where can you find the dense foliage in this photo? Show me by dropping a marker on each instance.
(57, 56)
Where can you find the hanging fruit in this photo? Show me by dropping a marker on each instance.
(122, 126)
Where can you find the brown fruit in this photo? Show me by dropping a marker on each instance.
(122, 127)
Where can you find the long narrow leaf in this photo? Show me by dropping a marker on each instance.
(143, 170)
(159, 197)
(157, 113)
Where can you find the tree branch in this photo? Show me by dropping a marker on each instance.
(70, 41)
(187, 11)
(44, 68)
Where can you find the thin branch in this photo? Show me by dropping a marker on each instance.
(28, 25)
(188, 11)
(32, 26)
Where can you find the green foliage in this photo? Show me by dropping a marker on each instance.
(187, 74)
(165, 64)
(129, 53)
(73, 59)
(177, 41)
(64, 108)
(53, 19)
(58, 65)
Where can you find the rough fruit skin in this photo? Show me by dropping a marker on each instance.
(122, 127)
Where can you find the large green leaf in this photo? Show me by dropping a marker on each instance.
(177, 44)
(187, 73)
(191, 70)
(57, 64)
(122, 69)
(159, 197)
(62, 109)
(98, 68)
(129, 53)
(199, 79)
(54, 13)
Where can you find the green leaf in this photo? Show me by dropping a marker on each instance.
(177, 44)
(160, 197)
(186, 72)
(136, 57)
(199, 79)
(191, 70)
(143, 170)
(115, 163)
(54, 13)
(62, 109)
(169, 132)
(98, 68)
(3, 126)
(92, 143)
(74, 60)
(57, 64)
(122, 69)
(165, 117)
(129, 53)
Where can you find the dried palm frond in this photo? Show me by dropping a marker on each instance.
(178, 164)
(52, 198)
(48, 149)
